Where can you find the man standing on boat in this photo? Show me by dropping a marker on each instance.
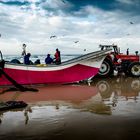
(57, 57)
(27, 60)
(24, 50)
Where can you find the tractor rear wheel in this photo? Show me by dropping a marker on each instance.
(106, 69)
(134, 69)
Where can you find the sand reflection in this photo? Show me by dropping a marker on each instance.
(99, 97)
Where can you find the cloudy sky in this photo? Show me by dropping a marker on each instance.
(73, 26)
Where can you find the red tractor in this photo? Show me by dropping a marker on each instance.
(128, 64)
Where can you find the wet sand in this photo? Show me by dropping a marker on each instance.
(107, 109)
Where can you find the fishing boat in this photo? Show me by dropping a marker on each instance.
(74, 70)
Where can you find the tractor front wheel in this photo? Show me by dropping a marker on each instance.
(134, 69)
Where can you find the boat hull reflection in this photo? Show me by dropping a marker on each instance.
(72, 93)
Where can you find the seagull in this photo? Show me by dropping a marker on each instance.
(63, 1)
(131, 22)
(76, 41)
(53, 36)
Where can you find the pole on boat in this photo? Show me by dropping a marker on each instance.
(1, 55)
(2, 62)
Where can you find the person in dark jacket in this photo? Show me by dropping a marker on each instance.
(15, 61)
(37, 62)
(48, 59)
(27, 60)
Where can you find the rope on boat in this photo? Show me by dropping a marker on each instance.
(9, 78)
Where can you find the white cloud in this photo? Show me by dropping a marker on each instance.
(35, 25)
(55, 21)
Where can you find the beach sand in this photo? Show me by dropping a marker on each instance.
(107, 109)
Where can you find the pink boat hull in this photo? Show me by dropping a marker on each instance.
(69, 75)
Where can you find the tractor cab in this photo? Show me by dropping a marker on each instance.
(115, 48)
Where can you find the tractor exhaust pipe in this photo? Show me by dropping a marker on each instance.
(136, 52)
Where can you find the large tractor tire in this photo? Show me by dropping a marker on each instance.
(134, 69)
(106, 69)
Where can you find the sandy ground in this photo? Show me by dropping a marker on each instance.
(107, 109)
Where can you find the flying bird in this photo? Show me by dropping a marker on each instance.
(131, 22)
(76, 41)
(63, 1)
(53, 36)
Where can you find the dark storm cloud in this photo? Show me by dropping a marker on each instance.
(103, 4)
(72, 7)
(17, 3)
(77, 7)
(130, 6)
